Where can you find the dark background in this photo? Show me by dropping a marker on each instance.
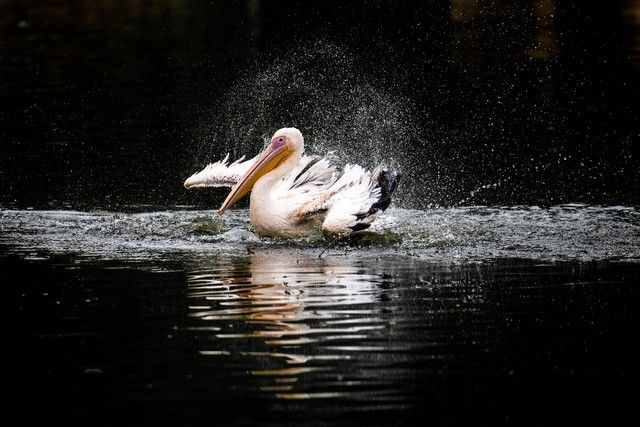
(110, 103)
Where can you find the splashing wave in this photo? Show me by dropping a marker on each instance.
(565, 232)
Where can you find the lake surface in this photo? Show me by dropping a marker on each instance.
(490, 315)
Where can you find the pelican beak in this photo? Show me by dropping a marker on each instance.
(268, 160)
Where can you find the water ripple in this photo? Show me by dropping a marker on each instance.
(564, 232)
(331, 326)
(299, 317)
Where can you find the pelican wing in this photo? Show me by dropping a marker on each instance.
(352, 201)
(351, 207)
(312, 173)
(220, 174)
(344, 200)
(307, 186)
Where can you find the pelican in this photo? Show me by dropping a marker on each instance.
(293, 194)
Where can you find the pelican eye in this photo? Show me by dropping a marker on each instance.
(278, 142)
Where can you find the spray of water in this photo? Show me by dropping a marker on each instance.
(326, 91)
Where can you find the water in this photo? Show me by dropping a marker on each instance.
(446, 311)
(565, 232)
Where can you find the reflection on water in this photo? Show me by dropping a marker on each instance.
(372, 330)
(464, 309)
(298, 316)
(314, 339)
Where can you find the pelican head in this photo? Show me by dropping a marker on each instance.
(285, 148)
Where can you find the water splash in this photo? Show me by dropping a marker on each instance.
(565, 232)
(326, 91)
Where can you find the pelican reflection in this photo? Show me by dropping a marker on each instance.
(284, 314)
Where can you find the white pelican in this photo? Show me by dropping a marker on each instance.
(292, 194)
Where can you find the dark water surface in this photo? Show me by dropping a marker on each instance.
(484, 315)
